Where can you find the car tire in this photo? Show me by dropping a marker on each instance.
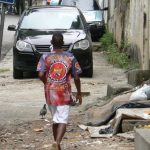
(17, 74)
(89, 72)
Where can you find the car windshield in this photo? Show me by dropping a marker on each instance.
(91, 16)
(51, 19)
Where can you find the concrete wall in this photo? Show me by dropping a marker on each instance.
(142, 139)
(128, 20)
(135, 35)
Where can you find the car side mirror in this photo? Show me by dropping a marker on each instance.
(105, 9)
(12, 28)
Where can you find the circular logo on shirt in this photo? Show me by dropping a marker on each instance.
(58, 71)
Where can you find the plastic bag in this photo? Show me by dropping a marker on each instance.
(146, 89)
(140, 94)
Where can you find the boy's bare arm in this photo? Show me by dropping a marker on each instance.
(78, 86)
(42, 77)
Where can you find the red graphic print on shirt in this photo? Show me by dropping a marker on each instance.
(58, 71)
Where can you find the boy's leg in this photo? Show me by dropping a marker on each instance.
(60, 114)
(60, 133)
(55, 127)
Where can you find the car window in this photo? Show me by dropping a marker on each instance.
(81, 4)
(91, 16)
(54, 2)
(51, 19)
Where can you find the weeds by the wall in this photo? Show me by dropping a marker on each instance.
(4, 70)
(107, 40)
(116, 56)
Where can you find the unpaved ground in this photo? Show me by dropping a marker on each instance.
(21, 101)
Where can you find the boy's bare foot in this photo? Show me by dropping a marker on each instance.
(55, 146)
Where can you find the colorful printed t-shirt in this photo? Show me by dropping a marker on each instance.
(58, 67)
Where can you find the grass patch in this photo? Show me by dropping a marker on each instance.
(4, 70)
(116, 56)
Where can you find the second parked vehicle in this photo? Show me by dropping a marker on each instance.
(96, 23)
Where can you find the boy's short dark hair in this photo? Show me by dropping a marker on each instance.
(57, 40)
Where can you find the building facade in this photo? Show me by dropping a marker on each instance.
(128, 20)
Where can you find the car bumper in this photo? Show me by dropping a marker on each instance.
(29, 61)
(25, 61)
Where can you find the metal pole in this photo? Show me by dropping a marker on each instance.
(2, 27)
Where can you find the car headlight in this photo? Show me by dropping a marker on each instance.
(84, 44)
(99, 24)
(23, 46)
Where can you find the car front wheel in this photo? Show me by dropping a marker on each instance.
(17, 74)
(88, 72)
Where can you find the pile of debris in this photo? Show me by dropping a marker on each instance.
(124, 112)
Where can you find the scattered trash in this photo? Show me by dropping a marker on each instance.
(143, 126)
(46, 120)
(127, 135)
(83, 127)
(48, 124)
(143, 93)
(92, 83)
(147, 126)
(147, 112)
(47, 146)
(94, 131)
(107, 130)
(28, 146)
(38, 130)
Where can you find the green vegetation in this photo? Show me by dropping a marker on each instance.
(126, 1)
(107, 40)
(116, 56)
(4, 70)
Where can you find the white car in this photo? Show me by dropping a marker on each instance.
(81, 4)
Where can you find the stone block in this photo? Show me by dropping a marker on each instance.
(117, 89)
(136, 77)
(142, 139)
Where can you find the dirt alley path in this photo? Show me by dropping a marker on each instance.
(21, 100)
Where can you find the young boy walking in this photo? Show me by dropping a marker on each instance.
(55, 69)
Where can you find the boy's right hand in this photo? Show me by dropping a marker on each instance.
(79, 98)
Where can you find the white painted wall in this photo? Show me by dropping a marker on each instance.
(133, 28)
